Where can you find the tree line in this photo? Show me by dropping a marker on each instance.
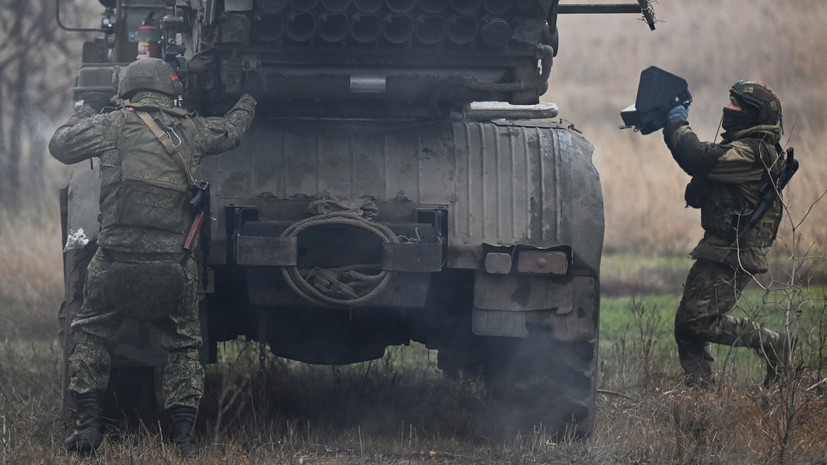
(38, 62)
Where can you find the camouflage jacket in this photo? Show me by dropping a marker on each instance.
(726, 183)
(90, 134)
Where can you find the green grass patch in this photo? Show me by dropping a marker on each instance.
(636, 334)
(625, 273)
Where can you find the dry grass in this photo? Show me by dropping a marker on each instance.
(32, 271)
(384, 415)
(711, 44)
(400, 410)
(727, 425)
(381, 414)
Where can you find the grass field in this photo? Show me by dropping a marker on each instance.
(400, 409)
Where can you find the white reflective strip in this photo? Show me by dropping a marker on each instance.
(367, 84)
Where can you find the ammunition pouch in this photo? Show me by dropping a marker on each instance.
(145, 205)
(697, 193)
(765, 231)
(721, 212)
(146, 291)
(727, 224)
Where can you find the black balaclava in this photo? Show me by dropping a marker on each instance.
(736, 120)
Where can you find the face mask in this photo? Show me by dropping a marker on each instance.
(738, 119)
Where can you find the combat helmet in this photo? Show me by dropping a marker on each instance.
(151, 74)
(756, 97)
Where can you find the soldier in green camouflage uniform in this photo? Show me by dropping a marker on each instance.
(725, 185)
(141, 270)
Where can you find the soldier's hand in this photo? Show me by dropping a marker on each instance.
(677, 113)
(96, 100)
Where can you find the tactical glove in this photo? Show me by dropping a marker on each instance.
(675, 118)
(96, 100)
(677, 113)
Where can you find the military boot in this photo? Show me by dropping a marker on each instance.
(183, 419)
(87, 435)
(777, 353)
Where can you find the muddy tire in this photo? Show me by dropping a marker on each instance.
(540, 384)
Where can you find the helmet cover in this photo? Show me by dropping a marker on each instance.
(151, 74)
(758, 98)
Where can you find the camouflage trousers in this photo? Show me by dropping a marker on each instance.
(148, 287)
(710, 292)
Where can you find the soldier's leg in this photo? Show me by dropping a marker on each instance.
(774, 348)
(181, 336)
(741, 332)
(184, 374)
(713, 325)
(89, 360)
(696, 361)
(710, 291)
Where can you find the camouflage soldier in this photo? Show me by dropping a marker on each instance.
(148, 150)
(725, 185)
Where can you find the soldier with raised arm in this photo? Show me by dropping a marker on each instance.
(148, 150)
(726, 185)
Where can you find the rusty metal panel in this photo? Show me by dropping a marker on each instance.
(579, 325)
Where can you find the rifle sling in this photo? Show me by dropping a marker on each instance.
(164, 139)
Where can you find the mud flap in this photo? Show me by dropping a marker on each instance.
(505, 304)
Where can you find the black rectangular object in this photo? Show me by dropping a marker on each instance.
(658, 92)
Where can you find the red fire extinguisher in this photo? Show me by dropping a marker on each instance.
(149, 39)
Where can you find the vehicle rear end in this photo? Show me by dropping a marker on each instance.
(401, 183)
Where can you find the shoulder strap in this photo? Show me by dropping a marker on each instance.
(162, 136)
(164, 139)
(174, 111)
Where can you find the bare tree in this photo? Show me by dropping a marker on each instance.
(36, 71)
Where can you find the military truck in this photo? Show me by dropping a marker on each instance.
(401, 182)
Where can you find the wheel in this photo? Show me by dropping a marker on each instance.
(541, 384)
